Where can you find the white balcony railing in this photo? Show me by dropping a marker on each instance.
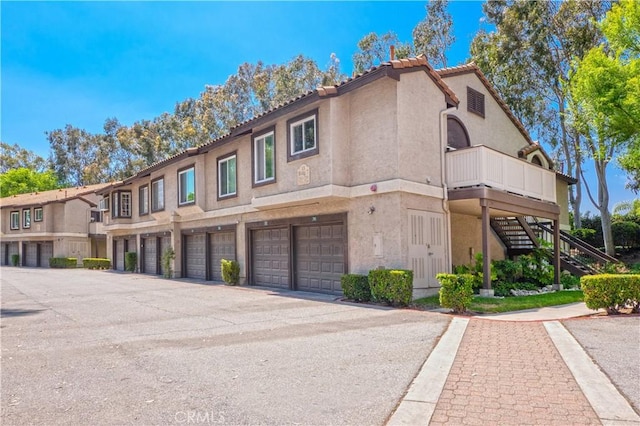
(480, 165)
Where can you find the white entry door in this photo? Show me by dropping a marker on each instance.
(427, 245)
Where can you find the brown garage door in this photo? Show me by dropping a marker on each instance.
(46, 253)
(319, 258)
(5, 253)
(270, 254)
(150, 251)
(119, 254)
(195, 256)
(165, 243)
(223, 246)
(13, 249)
(30, 251)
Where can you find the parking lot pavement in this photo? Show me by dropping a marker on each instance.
(613, 342)
(97, 347)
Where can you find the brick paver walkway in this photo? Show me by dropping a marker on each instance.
(510, 373)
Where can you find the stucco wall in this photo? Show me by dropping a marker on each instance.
(495, 130)
(466, 240)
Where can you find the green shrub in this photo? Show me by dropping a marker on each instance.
(63, 262)
(130, 261)
(611, 292)
(392, 286)
(167, 257)
(96, 263)
(230, 271)
(456, 291)
(569, 281)
(356, 287)
(15, 259)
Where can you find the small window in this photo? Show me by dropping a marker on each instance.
(143, 200)
(157, 195)
(26, 218)
(457, 136)
(187, 186)
(115, 204)
(303, 136)
(264, 158)
(475, 102)
(15, 220)
(125, 204)
(227, 176)
(37, 214)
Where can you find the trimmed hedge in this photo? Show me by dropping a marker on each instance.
(96, 263)
(15, 259)
(392, 286)
(456, 291)
(130, 261)
(230, 271)
(611, 292)
(63, 262)
(356, 287)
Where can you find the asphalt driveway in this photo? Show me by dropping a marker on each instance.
(97, 347)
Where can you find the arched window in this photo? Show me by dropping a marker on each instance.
(536, 160)
(457, 136)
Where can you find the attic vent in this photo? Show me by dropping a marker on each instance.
(475, 102)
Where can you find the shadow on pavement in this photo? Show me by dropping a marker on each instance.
(4, 313)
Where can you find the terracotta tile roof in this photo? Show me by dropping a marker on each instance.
(471, 67)
(53, 196)
(418, 63)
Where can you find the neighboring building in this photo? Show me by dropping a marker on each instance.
(58, 223)
(402, 166)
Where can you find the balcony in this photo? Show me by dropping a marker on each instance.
(483, 166)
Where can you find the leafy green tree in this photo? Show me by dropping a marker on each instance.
(434, 34)
(605, 88)
(23, 180)
(528, 60)
(15, 157)
(374, 49)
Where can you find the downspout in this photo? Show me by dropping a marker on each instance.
(443, 179)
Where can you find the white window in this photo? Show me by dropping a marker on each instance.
(227, 176)
(143, 199)
(115, 205)
(187, 186)
(157, 195)
(37, 214)
(15, 220)
(26, 218)
(264, 158)
(125, 204)
(303, 135)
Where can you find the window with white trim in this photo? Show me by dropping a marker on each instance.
(37, 214)
(187, 186)
(227, 176)
(264, 158)
(15, 220)
(157, 195)
(121, 204)
(26, 218)
(143, 200)
(303, 136)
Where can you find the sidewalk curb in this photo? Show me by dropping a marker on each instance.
(419, 403)
(610, 406)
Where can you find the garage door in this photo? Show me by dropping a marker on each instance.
(270, 254)
(13, 249)
(319, 258)
(46, 253)
(150, 265)
(195, 256)
(165, 243)
(119, 255)
(4, 256)
(30, 254)
(223, 246)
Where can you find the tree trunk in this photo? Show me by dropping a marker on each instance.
(603, 207)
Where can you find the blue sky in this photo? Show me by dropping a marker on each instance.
(81, 62)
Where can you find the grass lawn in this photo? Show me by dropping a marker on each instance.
(508, 304)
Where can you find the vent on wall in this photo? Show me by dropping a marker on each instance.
(475, 102)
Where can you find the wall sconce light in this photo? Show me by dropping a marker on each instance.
(371, 210)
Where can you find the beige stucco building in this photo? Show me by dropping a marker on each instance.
(400, 167)
(59, 223)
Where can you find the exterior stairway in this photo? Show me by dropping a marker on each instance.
(521, 235)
